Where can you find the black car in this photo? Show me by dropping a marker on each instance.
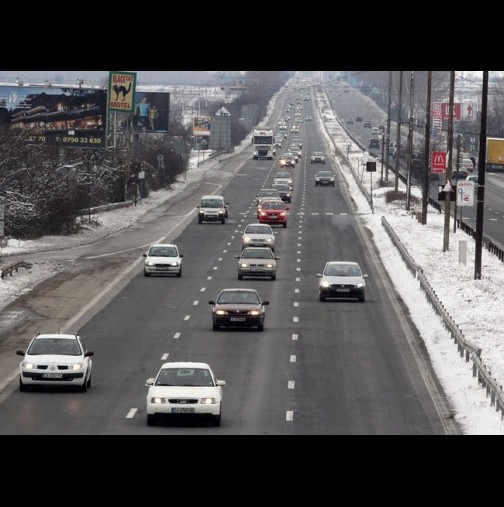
(374, 143)
(284, 191)
(324, 178)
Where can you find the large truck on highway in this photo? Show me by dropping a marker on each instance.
(264, 143)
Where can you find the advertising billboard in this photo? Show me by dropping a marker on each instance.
(201, 126)
(56, 116)
(121, 90)
(495, 151)
(151, 113)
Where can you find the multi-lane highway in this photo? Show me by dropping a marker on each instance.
(340, 367)
(354, 103)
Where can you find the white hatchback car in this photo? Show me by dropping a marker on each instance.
(258, 235)
(55, 360)
(163, 259)
(184, 390)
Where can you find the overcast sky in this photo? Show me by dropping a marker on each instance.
(475, 305)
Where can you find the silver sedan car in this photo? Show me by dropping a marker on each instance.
(257, 261)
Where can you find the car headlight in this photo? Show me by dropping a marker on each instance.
(157, 400)
(220, 312)
(360, 285)
(208, 401)
(269, 265)
(243, 264)
(269, 240)
(174, 264)
(247, 240)
(28, 365)
(201, 212)
(324, 284)
(317, 179)
(76, 366)
(149, 263)
(254, 312)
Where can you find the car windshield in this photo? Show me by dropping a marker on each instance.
(257, 229)
(325, 173)
(318, 154)
(273, 205)
(211, 203)
(282, 188)
(162, 251)
(249, 253)
(238, 297)
(268, 193)
(189, 377)
(342, 270)
(283, 175)
(57, 346)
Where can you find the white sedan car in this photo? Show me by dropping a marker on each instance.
(342, 279)
(184, 390)
(56, 360)
(163, 259)
(259, 235)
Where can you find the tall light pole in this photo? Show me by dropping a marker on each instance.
(446, 235)
(387, 154)
(398, 143)
(481, 178)
(426, 182)
(410, 139)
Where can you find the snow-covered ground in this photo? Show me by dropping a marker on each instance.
(473, 304)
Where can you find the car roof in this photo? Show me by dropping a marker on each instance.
(339, 263)
(184, 364)
(238, 289)
(212, 196)
(163, 244)
(56, 335)
(264, 226)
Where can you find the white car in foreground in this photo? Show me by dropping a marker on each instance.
(56, 360)
(184, 390)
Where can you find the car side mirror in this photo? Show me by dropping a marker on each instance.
(220, 382)
(20, 353)
(89, 353)
(181, 255)
(211, 302)
(236, 256)
(149, 382)
(265, 303)
(144, 255)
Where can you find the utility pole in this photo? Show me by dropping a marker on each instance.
(481, 178)
(398, 138)
(410, 140)
(446, 236)
(388, 125)
(426, 182)
(457, 168)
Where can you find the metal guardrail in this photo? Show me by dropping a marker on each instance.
(464, 347)
(15, 267)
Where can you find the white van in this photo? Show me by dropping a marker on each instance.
(212, 208)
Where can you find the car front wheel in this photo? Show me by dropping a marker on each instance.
(151, 420)
(22, 387)
(216, 420)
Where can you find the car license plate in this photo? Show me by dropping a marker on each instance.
(237, 319)
(212, 216)
(182, 410)
(273, 217)
(342, 290)
(52, 375)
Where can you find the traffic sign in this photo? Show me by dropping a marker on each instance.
(465, 193)
(370, 167)
(456, 111)
(469, 111)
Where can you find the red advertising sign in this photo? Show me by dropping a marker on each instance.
(456, 111)
(438, 164)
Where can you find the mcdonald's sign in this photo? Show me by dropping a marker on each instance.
(438, 164)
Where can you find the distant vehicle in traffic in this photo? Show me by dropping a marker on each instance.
(324, 178)
(273, 212)
(259, 235)
(374, 143)
(317, 157)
